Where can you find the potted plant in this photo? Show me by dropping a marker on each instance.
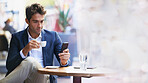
(63, 19)
(63, 16)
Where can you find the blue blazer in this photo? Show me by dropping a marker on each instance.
(20, 40)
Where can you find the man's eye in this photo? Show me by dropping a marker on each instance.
(42, 21)
(35, 21)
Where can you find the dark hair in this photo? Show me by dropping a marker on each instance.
(33, 9)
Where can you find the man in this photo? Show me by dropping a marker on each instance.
(26, 55)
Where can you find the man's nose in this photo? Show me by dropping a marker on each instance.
(39, 24)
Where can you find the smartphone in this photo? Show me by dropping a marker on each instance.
(64, 46)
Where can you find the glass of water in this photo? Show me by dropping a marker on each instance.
(83, 60)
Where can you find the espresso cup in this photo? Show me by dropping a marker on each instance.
(43, 43)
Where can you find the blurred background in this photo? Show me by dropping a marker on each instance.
(113, 33)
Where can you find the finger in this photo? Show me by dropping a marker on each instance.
(63, 54)
(34, 41)
(65, 57)
(66, 51)
(34, 45)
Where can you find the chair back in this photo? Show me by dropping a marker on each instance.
(3, 43)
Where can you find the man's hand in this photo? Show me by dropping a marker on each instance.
(64, 56)
(33, 44)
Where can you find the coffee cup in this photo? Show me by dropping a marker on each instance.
(43, 43)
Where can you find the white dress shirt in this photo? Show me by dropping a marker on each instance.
(35, 53)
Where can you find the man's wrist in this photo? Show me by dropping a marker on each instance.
(67, 64)
(63, 63)
(25, 52)
(22, 55)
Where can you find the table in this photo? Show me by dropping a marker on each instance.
(76, 73)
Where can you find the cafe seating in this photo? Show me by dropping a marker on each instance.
(3, 46)
(3, 53)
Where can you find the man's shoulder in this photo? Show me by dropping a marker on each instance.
(19, 33)
(49, 32)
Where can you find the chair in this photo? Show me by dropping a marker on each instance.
(3, 53)
(3, 43)
(3, 47)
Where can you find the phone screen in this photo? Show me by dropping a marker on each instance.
(64, 46)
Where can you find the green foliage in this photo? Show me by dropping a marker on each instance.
(63, 19)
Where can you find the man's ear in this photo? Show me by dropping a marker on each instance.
(27, 21)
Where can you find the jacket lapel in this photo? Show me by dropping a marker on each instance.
(25, 38)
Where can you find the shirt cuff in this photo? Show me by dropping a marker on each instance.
(22, 55)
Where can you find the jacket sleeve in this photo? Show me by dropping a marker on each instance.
(14, 58)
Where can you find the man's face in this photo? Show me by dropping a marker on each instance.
(36, 24)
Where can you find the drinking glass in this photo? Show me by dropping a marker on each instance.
(83, 61)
